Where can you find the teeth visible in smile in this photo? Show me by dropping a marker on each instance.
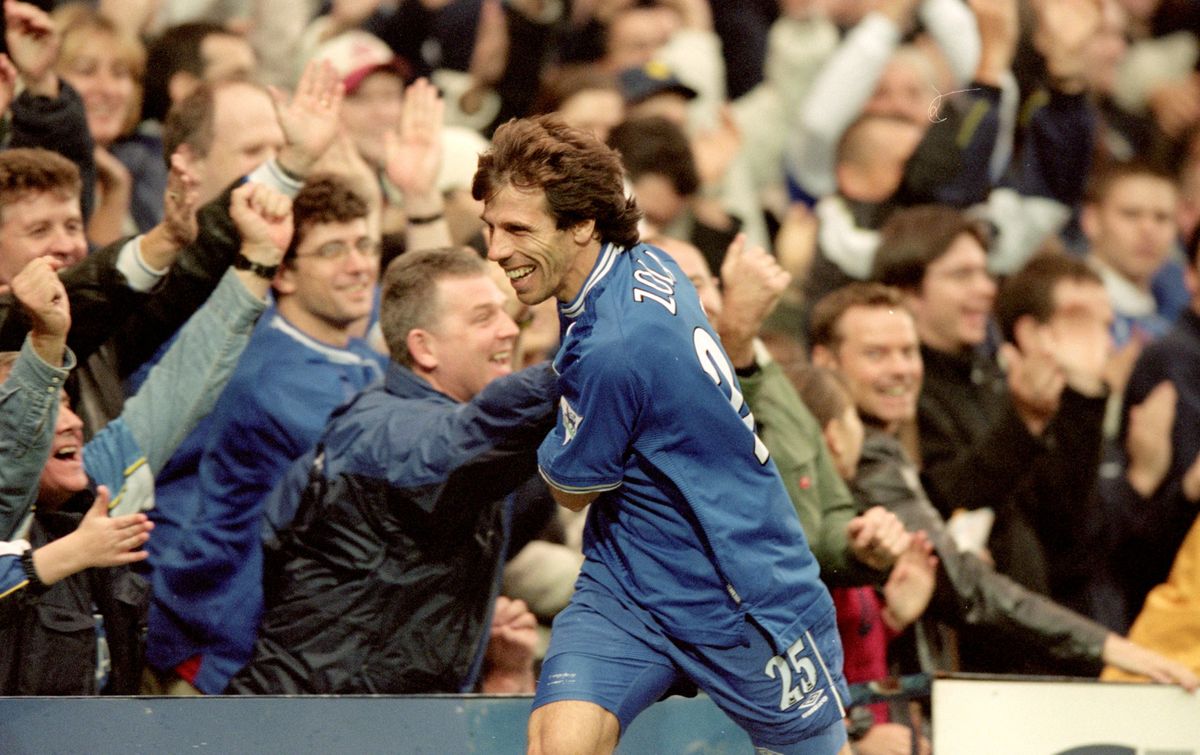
(502, 357)
(66, 452)
(518, 272)
(896, 390)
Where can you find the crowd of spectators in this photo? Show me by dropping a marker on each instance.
(268, 419)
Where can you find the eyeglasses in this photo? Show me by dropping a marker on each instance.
(337, 250)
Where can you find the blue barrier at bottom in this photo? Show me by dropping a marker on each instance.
(408, 725)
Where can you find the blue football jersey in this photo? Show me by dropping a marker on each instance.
(692, 522)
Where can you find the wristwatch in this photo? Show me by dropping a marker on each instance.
(266, 272)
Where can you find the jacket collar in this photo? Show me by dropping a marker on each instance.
(943, 361)
(403, 382)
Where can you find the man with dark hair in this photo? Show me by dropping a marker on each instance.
(659, 161)
(864, 332)
(697, 571)
(384, 544)
(1129, 220)
(303, 362)
(188, 55)
(991, 438)
(1154, 500)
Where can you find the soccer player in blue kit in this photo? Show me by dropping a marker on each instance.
(697, 573)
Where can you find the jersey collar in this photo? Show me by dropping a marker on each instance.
(604, 263)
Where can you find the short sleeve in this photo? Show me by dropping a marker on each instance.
(586, 452)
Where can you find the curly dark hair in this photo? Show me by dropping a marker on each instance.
(324, 198)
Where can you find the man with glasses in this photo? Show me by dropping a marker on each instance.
(305, 359)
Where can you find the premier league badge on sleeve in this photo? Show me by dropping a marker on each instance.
(571, 420)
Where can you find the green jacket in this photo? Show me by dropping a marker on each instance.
(821, 498)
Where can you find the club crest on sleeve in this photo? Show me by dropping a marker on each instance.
(571, 420)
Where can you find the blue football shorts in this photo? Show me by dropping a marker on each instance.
(607, 653)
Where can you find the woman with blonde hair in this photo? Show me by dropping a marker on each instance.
(105, 64)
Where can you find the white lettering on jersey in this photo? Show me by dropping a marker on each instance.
(659, 284)
(717, 366)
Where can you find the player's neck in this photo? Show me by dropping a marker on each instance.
(580, 269)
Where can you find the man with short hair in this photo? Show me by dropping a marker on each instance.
(186, 56)
(865, 332)
(107, 607)
(1129, 219)
(697, 569)
(223, 131)
(40, 216)
(303, 362)
(990, 437)
(1155, 496)
(385, 543)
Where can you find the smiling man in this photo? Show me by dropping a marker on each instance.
(993, 437)
(103, 610)
(303, 362)
(697, 571)
(40, 214)
(385, 543)
(864, 332)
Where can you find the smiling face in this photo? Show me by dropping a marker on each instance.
(105, 81)
(878, 355)
(472, 339)
(63, 476)
(329, 285)
(44, 224)
(540, 260)
(955, 300)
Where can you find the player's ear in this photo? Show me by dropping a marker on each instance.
(423, 348)
(583, 232)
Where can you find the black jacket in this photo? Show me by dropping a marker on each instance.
(48, 639)
(384, 545)
(970, 592)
